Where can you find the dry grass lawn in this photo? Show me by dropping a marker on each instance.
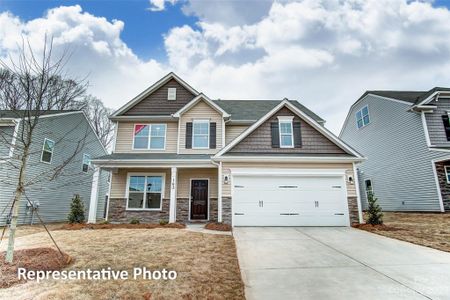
(206, 264)
(426, 229)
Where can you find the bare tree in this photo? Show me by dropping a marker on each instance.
(32, 87)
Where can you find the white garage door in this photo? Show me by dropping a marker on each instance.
(268, 200)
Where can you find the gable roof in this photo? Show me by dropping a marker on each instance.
(253, 110)
(197, 99)
(300, 113)
(151, 89)
(408, 96)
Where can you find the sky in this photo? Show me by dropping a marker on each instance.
(324, 53)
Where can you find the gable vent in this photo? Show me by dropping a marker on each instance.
(172, 94)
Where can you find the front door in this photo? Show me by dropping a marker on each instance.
(199, 199)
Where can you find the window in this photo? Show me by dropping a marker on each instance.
(47, 151)
(369, 187)
(447, 173)
(86, 162)
(286, 136)
(172, 94)
(445, 119)
(362, 117)
(200, 134)
(152, 136)
(145, 192)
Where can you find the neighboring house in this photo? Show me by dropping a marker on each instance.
(180, 156)
(405, 136)
(60, 136)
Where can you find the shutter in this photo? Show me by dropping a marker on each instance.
(445, 119)
(297, 135)
(275, 135)
(212, 135)
(189, 135)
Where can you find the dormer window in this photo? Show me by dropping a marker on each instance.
(172, 94)
(286, 132)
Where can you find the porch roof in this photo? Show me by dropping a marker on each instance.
(152, 159)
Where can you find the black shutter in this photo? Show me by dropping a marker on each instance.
(189, 135)
(297, 135)
(446, 126)
(212, 135)
(275, 135)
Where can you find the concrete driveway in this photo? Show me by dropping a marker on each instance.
(338, 263)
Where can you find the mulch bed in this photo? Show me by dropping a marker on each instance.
(78, 226)
(374, 228)
(218, 226)
(36, 259)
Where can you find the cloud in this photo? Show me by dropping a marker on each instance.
(160, 5)
(325, 53)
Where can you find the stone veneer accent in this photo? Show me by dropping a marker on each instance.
(226, 210)
(182, 210)
(118, 213)
(445, 187)
(353, 209)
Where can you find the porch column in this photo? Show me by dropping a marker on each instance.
(92, 218)
(173, 196)
(219, 194)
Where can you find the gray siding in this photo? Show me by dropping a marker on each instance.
(398, 159)
(54, 196)
(435, 125)
(6, 136)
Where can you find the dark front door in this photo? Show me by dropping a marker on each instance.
(199, 199)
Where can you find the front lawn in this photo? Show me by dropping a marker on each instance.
(206, 264)
(426, 229)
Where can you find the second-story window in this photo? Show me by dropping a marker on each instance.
(47, 151)
(362, 117)
(445, 119)
(200, 134)
(172, 94)
(149, 137)
(286, 133)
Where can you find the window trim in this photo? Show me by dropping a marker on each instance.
(163, 188)
(193, 132)
(362, 116)
(82, 163)
(290, 120)
(42, 151)
(168, 93)
(446, 173)
(149, 137)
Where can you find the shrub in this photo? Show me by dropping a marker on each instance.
(374, 212)
(104, 222)
(76, 214)
(163, 222)
(135, 221)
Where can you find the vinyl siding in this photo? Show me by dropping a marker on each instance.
(200, 111)
(435, 124)
(226, 188)
(54, 196)
(185, 176)
(124, 139)
(6, 136)
(398, 160)
(233, 131)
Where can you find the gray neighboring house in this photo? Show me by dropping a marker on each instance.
(405, 136)
(56, 139)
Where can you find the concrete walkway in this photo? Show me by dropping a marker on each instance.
(338, 263)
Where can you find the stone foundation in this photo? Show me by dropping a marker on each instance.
(353, 209)
(226, 210)
(118, 213)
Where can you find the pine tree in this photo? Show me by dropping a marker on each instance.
(374, 212)
(76, 214)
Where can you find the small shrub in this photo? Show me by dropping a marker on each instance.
(374, 212)
(163, 222)
(104, 222)
(76, 214)
(135, 221)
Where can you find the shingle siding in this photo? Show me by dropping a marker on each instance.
(54, 196)
(398, 160)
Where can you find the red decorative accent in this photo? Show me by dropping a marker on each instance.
(138, 128)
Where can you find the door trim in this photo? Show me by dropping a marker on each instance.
(190, 198)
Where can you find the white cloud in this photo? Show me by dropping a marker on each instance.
(325, 53)
(160, 5)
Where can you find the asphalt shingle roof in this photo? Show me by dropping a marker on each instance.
(414, 97)
(150, 156)
(21, 113)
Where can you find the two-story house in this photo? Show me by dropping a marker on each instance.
(182, 157)
(405, 136)
(59, 165)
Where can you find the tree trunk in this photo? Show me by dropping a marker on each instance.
(16, 206)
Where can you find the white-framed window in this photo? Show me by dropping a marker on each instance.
(286, 132)
(145, 191)
(172, 94)
(447, 173)
(86, 162)
(47, 151)
(149, 137)
(200, 134)
(362, 117)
